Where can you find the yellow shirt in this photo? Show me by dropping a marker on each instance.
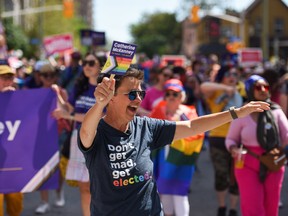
(214, 107)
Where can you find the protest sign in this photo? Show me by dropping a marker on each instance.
(121, 56)
(249, 57)
(58, 43)
(29, 152)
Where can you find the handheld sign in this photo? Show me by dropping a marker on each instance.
(120, 58)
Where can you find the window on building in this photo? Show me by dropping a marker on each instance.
(279, 26)
(226, 31)
(258, 27)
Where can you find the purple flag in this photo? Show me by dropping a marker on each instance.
(29, 151)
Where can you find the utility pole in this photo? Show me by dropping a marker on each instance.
(265, 30)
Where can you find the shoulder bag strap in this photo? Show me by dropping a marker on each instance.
(253, 154)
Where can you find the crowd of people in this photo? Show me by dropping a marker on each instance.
(144, 136)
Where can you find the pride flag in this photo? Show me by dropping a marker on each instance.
(174, 164)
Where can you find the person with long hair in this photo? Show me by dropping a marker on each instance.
(80, 101)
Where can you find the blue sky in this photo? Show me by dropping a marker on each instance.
(114, 16)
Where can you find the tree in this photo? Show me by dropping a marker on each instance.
(157, 33)
(28, 38)
(16, 37)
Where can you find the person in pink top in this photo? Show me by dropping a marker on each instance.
(155, 94)
(259, 188)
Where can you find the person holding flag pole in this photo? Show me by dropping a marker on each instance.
(117, 146)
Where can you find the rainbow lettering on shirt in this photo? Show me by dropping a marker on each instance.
(121, 166)
(132, 180)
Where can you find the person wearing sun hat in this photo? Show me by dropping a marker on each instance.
(14, 201)
(180, 155)
(6, 78)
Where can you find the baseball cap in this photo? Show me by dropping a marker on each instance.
(39, 64)
(46, 68)
(5, 69)
(174, 85)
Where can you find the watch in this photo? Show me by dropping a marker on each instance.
(232, 112)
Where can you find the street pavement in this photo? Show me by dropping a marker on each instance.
(202, 197)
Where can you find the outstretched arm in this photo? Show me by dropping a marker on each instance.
(103, 94)
(208, 122)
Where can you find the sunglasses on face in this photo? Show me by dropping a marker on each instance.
(48, 75)
(7, 77)
(231, 75)
(91, 63)
(174, 94)
(169, 76)
(262, 88)
(132, 95)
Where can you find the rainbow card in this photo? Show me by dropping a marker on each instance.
(120, 59)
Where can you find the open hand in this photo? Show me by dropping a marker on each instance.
(252, 106)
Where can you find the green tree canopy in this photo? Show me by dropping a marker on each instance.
(15, 37)
(157, 33)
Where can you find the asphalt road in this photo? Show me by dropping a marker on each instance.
(202, 197)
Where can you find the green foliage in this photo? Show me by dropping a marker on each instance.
(16, 38)
(157, 33)
(42, 25)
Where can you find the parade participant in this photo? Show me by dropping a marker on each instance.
(174, 165)
(117, 146)
(80, 102)
(14, 201)
(155, 93)
(258, 132)
(219, 96)
(48, 78)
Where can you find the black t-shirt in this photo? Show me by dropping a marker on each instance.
(120, 168)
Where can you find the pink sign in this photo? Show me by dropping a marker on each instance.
(250, 56)
(58, 43)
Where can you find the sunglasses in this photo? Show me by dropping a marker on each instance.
(132, 95)
(48, 75)
(261, 87)
(231, 75)
(7, 77)
(167, 75)
(91, 63)
(174, 94)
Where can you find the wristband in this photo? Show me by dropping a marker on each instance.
(233, 113)
(71, 117)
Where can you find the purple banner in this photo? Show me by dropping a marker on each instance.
(29, 151)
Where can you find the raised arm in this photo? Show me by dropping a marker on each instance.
(208, 88)
(103, 94)
(208, 122)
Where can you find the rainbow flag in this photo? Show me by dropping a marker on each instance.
(120, 58)
(174, 165)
